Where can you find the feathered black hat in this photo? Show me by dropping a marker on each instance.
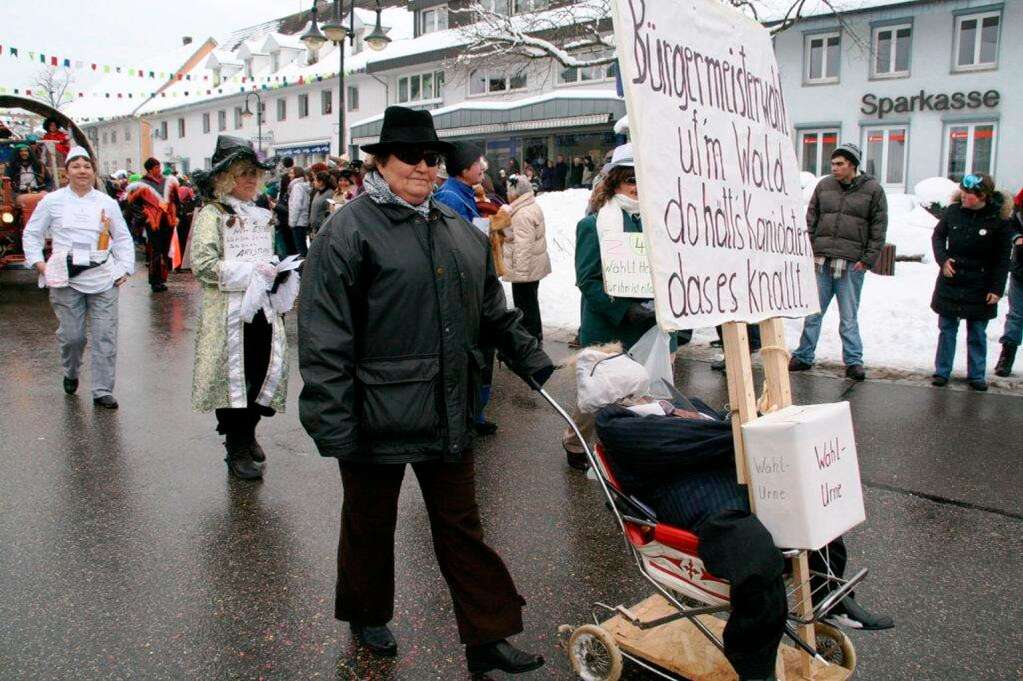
(229, 149)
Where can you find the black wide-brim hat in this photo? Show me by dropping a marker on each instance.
(407, 128)
(229, 150)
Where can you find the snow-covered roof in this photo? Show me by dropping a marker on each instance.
(120, 94)
(507, 105)
(275, 40)
(771, 11)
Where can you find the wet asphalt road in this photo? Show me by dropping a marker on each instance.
(126, 552)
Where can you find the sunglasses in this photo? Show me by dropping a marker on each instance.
(631, 179)
(414, 156)
(972, 182)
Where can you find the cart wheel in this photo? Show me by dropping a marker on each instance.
(594, 654)
(834, 646)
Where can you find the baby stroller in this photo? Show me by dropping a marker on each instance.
(676, 634)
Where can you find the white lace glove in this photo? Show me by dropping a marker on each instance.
(267, 270)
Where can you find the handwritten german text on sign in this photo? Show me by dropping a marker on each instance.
(247, 239)
(718, 180)
(626, 265)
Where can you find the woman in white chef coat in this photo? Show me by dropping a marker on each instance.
(92, 254)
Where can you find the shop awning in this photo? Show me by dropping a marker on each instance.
(551, 111)
(302, 148)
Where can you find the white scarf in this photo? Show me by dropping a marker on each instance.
(609, 217)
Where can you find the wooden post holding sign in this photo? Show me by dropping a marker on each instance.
(719, 194)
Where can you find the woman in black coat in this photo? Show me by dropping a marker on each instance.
(971, 245)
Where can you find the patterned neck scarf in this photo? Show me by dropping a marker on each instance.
(379, 192)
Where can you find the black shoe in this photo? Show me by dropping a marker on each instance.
(240, 464)
(980, 386)
(484, 427)
(501, 655)
(70, 385)
(107, 402)
(855, 372)
(718, 365)
(257, 453)
(798, 365)
(576, 460)
(851, 615)
(379, 640)
(939, 381)
(159, 288)
(1006, 360)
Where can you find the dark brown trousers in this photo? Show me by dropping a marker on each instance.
(487, 606)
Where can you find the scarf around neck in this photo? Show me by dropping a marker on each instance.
(376, 186)
(610, 218)
(629, 205)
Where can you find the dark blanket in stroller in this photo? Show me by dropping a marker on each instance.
(684, 468)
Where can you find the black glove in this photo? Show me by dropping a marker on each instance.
(540, 377)
(639, 314)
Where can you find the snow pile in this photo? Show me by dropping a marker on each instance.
(937, 190)
(808, 182)
(898, 328)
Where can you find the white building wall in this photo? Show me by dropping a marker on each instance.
(931, 70)
(117, 144)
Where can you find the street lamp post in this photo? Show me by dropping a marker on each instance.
(259, 118)
(336, 32)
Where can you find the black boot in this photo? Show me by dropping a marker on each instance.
(240, 463)
(501, 655)
(851, 615)
(1006, 359)
(379, 640)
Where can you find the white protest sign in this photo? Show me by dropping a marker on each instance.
(623, 256)
(804, 474)
(718, 181)
(247, 239)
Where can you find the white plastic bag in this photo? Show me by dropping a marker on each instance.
(653, 351)
(603, 378)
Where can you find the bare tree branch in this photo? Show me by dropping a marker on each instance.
(579, 34)
(53, 86)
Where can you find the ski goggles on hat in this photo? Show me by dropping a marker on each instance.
(972, 182)
(412, 156)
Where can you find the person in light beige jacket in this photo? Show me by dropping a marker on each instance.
(525, 251)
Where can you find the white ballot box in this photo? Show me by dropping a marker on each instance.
(803, 474)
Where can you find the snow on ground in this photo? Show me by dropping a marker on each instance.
(898, 328)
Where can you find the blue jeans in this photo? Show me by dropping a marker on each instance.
(1013, 332)
(847, 290)
(976, 347)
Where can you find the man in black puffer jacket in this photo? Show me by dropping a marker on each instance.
(847, 219)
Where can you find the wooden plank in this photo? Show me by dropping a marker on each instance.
(742, 397)
(681, 648)
(779, 394)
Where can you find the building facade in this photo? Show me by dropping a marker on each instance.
(923, 87)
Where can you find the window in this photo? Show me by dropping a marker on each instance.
(248, 67)
(326, 102)
(969, 148)
(421, 87)
(238, 118)
(496, 6)
(127, 164)
(433, 19)
(523, 6)
(206, 122)
(186, 166)
(127, 134)
(113, 137)
(282, 109)
(353, 98)
(105, 138)
(815, 147)
(570, 74)
(822, 57)
(207, 163)
(891, 50)
(221, 120)
(163, 130)
(181, 127)
(483, 82)
(303, 106)
(275, 60)
(885, 155)
(977, 40)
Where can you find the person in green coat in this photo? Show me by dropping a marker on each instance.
(605, 319)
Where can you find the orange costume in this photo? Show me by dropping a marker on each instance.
(159, 206)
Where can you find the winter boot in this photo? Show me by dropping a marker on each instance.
(239, 462)
(1006, 359)
(500, 655)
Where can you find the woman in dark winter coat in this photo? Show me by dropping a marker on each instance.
(971, 245)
